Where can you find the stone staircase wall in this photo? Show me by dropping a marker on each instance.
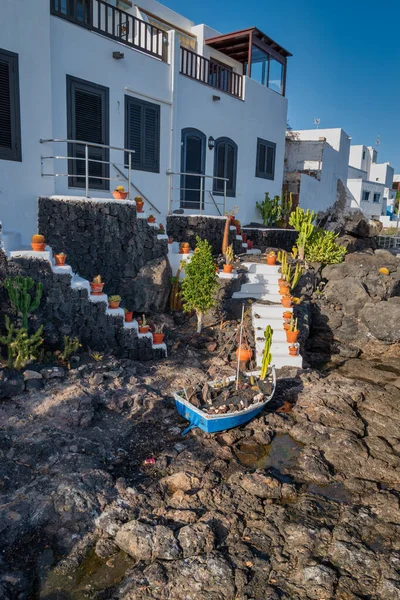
(263, 238)
(184, 228)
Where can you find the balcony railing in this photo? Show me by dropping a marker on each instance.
(211, 73)
(114, 23)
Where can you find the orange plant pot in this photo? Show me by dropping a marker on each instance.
(293, 351)
(38, 247)
(120, 195)
(96, 288)
(60, 259)
(284, 289)
(286, 326)
(139, 206)
(128, 317)
(291, 336)
(158, 338)
(151, 219)
(287, 314)
(185, 250)
(271, 260)
(228, 268)
(244, 238)
(244, 354)
(286, 301)
(113, 305)
(144, 329)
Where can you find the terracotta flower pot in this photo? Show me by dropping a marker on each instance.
(96, 288)
(287, 314)
(249, 245)
(244, 354)
(158, 338)
(38, 247)
(170, 240)
(139, 206)
(238, 229)
(244, 237)
(144, 329)
(286, 301)
(119, 195)
(151, 219)
(286, 326)
(128, 317)
(284, 288)
(293, 351)
(113, 304)
(271, 260)
(185, 250)
(60, 259)
(228, 268)
(291, 336)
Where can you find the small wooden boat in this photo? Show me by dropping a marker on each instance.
(211, 423)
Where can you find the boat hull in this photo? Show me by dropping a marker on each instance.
(214, 423)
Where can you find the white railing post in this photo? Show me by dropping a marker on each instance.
(224, 197)
(129, 174)
(201, 194)
(86, 171)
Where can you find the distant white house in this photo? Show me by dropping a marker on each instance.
(183, 98)
(316, 160)
(370, 183)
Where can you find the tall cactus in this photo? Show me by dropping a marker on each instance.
(306, 231)
(301, 216)
(21, 348)
(267, 356)
(282, 257)
(18, 289)
(294, 275)
(286, 205)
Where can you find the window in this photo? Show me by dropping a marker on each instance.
(265, 165)
(377, 198)
(88, 120)
(10, 129)
(363, 155)
(220, 75)
(142, 134)
(77, 11)
(225, 165)
(365, 196)
(266, 70)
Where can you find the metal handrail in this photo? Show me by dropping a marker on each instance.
(137, 189)
(87, 160)
(201, 189)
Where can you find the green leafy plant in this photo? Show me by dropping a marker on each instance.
(200, 283)
(114, 298)
(267, 356)
(270, 210)
(19, 291)
(324, 249)
(21, 348)
(71, 345)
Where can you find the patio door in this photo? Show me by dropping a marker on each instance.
(193, 160)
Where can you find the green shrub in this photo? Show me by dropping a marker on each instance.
(270, 210)
(19, 292)
(323, 248)
(200, 283)
(21, 347)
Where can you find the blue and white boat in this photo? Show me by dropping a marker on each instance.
(214, 423)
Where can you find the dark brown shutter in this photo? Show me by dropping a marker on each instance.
(10, 134)
(142, 133)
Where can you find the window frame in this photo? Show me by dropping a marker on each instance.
(366, 193)
(143, 104)
(379, 198)
(267, 144)
(230, 191)
(72, 84)
(15, 152)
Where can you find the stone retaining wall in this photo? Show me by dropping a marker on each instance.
(271, 238)
(185, 228)
(105, 237)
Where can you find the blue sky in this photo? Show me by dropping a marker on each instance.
(345, 67)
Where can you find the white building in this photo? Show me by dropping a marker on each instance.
(184, 97)
(370, 183)
(316, 160)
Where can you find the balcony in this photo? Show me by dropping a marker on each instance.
(118, 25)
(216, 75)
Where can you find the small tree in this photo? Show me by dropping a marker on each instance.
(200, 283)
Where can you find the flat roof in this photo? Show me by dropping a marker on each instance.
(236, 44)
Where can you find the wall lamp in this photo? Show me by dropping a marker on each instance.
(211, 143)
(118, 55)
(216, 98)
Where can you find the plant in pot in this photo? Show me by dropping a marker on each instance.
(286, 301)
(38, 243)
(229, 258)
(114, 301)
(119, 193)
(185, 248)
(139, 204)
(158, 334)
(293, 349)
(284, 287)
(144, 327)
(151, 219)
(161, 229)
(287, 315)
(128, 315)
(271, 258)
(96, 286)
(60, 259)
(292, 333)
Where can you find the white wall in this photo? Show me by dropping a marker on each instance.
(25, 29)
(369, 208)
(383, 173)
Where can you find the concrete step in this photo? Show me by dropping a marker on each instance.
(254, 251)
(80, 283)
(11, 241)
(262, 268)
(278, 336)
(266, 311)
(280, 361)
(263, 279)
(275, 298)
(260, 288)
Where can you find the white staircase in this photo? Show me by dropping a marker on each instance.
(262, 284)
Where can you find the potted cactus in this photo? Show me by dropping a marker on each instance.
(284, 287)
(114, 301)
(292, 333)
(151, 219)
(144, 327)
(96, 286)
(271, 258)
(185, 248)
(60, 259)
(139, 204)
(119, 193)
(287, 315)
(229, 258)
(294, 349)
(158, 334)
(128, 315)
(161, 229)
(38, 243)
